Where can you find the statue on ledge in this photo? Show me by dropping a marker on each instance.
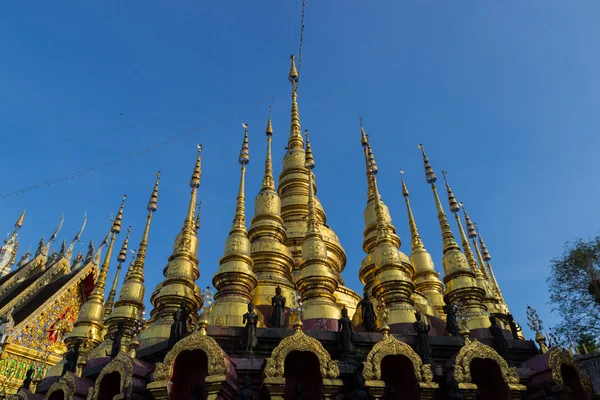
(451, 325)
(499, 342)
(423, 348)
(278, 303)
(250, 320)
(179, 326)
(345, 333)
(71, 358)
(513, 327)
(368, 313)
(117, 337)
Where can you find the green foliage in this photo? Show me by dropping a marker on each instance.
(587, 343)
(575, 290)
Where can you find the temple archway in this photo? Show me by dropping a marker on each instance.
(62, 389)
(302, 373)
(566, 373)
(115, 378)
(393, 370)
(294, 346)
(480, 367)
(110, 386)
(217, 373)
(189, 375)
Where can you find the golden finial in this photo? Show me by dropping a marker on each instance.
(244, 154)
(295, 139)
(116, 228)
(77, 237)
(197, 222)
(239, 219)
(19, 222)
(309, 160)
(429, 175)
(447, 236)
(309, 163)
(484, 251)
(416, 241)
(373, 169)
(293, 75)
(268, 182)
(195, 181)
(46, 248)
(471, 233)
(153, 202)
(383, 232)
(364, 138)
(454, 207)
(269, 124)
(123, 253)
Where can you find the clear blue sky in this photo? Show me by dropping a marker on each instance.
(504, 95)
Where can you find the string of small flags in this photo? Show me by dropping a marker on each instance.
(78, 174)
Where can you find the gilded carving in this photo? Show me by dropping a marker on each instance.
(476, 349)
(559, 357)
(299, 341)
(196, 341)
(66, 384)
(122, 364)
(392, 347)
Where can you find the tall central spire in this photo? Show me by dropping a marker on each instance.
(293, 191)
(179, 286)
(461, 285)
(235, 278)
(273, 262)
(426, 278)
(89, 325)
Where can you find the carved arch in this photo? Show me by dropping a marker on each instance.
(391, 346)
(300, 341)
(66, 384)
(559, 357)
(123, 364)
(217, 364)
(476, 349)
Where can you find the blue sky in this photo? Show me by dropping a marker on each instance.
(504, 95)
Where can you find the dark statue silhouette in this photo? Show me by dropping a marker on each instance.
(345, 333)
(368, 313)
(179, 326)
(499, 342)
(71, 357)
(250, 320)
(423, 348)
(278, 303)
(451, 325)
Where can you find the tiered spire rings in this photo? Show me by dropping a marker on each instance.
(235, 278)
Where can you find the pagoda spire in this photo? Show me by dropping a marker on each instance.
(110, 300)
(489, 301)
(370, 233)
(69, 252)
(130, 303)
(235, 279)
(393, 271)
(472, 234)
(89, 325)
(460, 280)
(293, 192)
(316, 283)
(179, 286)
(426, 278)
(273, 262)
(18, 226)
(487, 257)
(8, 251)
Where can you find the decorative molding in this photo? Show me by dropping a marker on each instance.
(123, 364)
(476, 349)
(299, 341)
(391, 346)
(66, 384)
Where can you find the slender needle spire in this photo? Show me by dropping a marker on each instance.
(472, 234)
(447, 236)
(295, 139)
(110, 300)
(312, 226)
(487, 257)
(268, 181)
(239, 219)
(416, 241)
(77, 237)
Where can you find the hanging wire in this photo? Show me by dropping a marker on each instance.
(137, 153)
(301, 41)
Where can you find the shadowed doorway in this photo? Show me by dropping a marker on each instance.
(189, 372)
(399, 376)
(303, 373)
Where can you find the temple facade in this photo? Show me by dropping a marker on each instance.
(281, 324)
